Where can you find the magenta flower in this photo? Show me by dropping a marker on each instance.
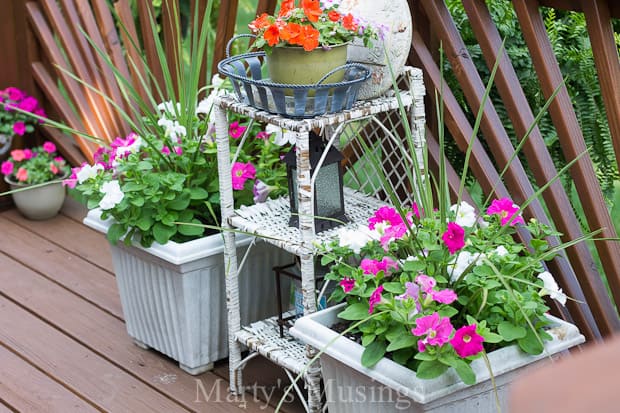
(241, 172)
(14, 93)
(427, 283)
(22, 175)
(467, 342)
(436, 329)
(19, 128)
(416, 210)
(446, 296)
(454, 237)
(263, 135)
(347, 284)
(49, 147)
(72, 180)
(385, 214)
(505, 208)
(235, 130)
(178, 150)
(40, 112)
(28, 154)
(375, 298)
(7, 167)
(392, 233)
(29, 104)
(374, 266)
(165, 150)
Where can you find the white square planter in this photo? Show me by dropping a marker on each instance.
(389, 387)
(173, 295)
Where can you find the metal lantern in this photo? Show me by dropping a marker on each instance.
(328, 186)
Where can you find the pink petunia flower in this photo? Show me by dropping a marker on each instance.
(7, 167)
(373, 267)
(72, 180)
(446, 296)
(178, 150)
(14, 93)
(165, 150)
(426, 283)
(506, 209)
(263, 135)
(241, 172)
(416, 210)
(54, 168)
(19, 128)
(40, 112)
(49, 147)
(375, 298)
(454, 237)
(18, 155)
(436, 329)
(347, 284)
(22, 175)
(385, 214)
(29, 104)
(28, 154)
(412, 291)
(235, 130)
(467, 342)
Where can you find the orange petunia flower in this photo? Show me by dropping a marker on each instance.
(272, 35)
(310, 38)
(291, 33)
(260, 22)
(286, 7)
(312, 9)
(348, 22)
(333, 16)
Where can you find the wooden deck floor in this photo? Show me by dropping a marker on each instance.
(63, 343)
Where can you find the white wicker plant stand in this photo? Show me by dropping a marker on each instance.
(376, 122)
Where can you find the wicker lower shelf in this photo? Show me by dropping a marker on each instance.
(263, 337)
(269, 220)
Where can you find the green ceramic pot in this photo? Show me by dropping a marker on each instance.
(295, 66)
(38, 203)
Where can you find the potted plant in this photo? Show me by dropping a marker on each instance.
(14, 119)
(35, 177)
(154, 192)
(305, 41)
(442, 302)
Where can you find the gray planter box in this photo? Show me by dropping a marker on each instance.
(389, 387)
(173, 295)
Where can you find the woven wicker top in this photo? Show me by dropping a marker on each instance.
(269, 220)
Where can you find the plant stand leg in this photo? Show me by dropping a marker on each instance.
(230, 251)
(313, 382)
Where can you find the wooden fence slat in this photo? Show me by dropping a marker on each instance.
(67, 146)
(172, 40)
(567, 126)
(78, 67)
(225, 30)
(598, 21)
(135, 63)
(147, 15)
(539, 159)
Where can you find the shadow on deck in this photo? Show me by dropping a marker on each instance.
(63, 343)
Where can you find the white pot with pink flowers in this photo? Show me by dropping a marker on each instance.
(442, 309)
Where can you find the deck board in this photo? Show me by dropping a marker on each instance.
(62, 266)
(28, 390)
(61, 330)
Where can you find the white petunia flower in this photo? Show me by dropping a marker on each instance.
(354, 239)
(112, 195)
(465, 214)
(500, 251)
(87, 172)
(282, 136)
(463, 260)
(551, 288)
(168, 107)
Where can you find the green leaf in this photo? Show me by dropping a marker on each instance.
(199, 193)
(367, 339)
(373, 353)
(354, 312)
(465, 372)
(191, 230)
(394, 288)
(138, 201)
(145, 166)
(403, 341)
(510, 331)
(530, 343)
(448, 311)
(414, 266)
(163, 233)
(180, 202)
(403, 356)
(115, 232)
(430, 369)
(491, 337)
(145, 222)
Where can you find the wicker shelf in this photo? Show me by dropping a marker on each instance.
(269, 221)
